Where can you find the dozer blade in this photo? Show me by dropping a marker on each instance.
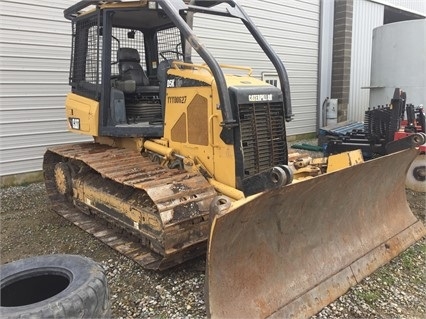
(289, 252)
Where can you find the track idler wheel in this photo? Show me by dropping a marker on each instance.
(416, 175)
(63, 180)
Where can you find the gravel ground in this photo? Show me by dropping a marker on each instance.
(29, 228)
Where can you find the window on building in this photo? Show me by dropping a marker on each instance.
(271, 78)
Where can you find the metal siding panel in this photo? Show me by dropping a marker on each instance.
(11, 129)
(22, 76)
(26, 159)
(32, 9)
(33, 38)
(292, 29)
(22, 165)
(12, 22)
(34, 50)
(33, 103)
(58, 4)
(366, 16)
(28, 141)
(34, 61)
(12, 116)
(10, 157)
(48, 87)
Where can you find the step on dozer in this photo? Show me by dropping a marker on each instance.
(289, 252)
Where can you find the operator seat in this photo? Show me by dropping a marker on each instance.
(129, 67)
(132, 78)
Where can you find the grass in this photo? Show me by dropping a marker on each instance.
(386, 277)
(370, 297)
(411, 256)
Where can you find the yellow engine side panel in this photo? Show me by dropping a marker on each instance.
(192, 127)
(193, 120)
(82, 114)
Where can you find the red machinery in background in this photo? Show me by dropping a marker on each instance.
(415, 123)
(388, 129)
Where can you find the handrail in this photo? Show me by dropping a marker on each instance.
(237, 67)
(192, 65)
(206, 67)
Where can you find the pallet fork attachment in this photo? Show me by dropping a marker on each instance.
(289, 252)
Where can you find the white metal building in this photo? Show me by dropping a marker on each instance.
(292, 29)
(34, 62)
(366, 15)
(35, 51)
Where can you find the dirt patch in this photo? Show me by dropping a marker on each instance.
(30, 228)
(417, 202)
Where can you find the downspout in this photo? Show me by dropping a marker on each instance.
(325, 59)
(320, 106)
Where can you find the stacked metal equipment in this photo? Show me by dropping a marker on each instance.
(416, 121)
(378, 136)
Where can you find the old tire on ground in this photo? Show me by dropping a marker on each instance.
(54, 286)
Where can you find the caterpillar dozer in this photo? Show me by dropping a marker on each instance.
(189, 158)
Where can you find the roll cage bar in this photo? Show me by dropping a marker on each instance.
(174, 8)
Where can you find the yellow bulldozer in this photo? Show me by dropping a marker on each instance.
(190, 158)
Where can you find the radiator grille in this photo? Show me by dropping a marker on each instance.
(263, 136)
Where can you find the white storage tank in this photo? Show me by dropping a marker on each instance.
(399, 61)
